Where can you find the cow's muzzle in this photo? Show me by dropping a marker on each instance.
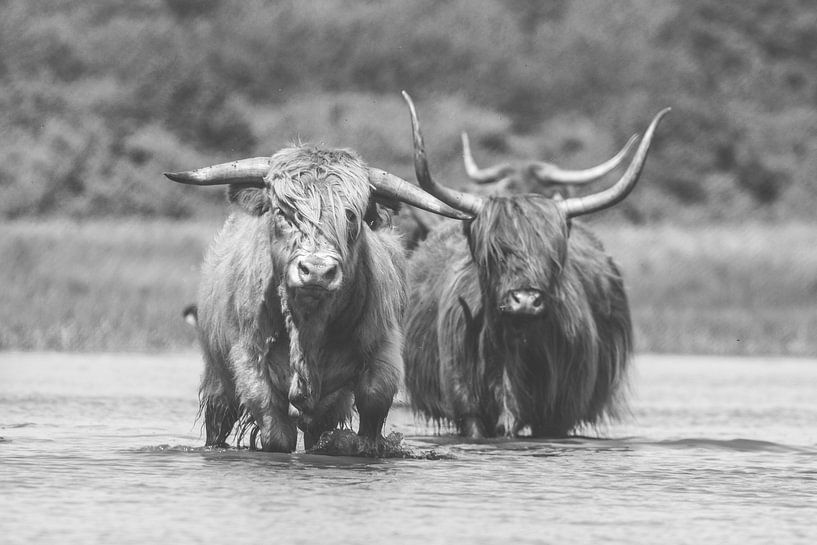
(315, 272)
(524, 302)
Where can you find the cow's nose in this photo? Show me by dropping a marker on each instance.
(319, 272)
(527, 302)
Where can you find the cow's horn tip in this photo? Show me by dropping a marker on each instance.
(178, 176)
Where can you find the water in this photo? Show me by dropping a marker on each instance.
(104, 449)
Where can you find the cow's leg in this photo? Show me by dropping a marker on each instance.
(218, 402)
(277, 431)
(471, 426)
(475, 392)
(267, 404)
(507, 423)
(333, 409)
(467, 402)
(377, 386)
(466, 398)
(311, 437)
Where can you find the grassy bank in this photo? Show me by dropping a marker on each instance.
(120, 286)
(98, 286)
(721, 289)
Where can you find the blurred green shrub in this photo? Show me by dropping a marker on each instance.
(97, 97)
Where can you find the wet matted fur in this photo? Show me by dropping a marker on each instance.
(492, 374)
(257, 333)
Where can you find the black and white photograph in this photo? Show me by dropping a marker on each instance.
(408, 271)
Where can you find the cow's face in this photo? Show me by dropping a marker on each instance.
(318, 199)
(315, 200)
(519, 244)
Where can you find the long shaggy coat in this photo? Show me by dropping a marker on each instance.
(491, 374)
(263, 342)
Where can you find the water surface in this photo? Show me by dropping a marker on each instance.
(105, 449)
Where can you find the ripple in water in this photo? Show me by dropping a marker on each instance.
(684, 469)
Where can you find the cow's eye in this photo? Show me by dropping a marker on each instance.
(281, 220)
(354, 225)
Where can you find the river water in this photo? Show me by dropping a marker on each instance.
(105, 449)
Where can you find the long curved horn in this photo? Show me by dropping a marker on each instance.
(464, 202)
(577, 206)
(482, 175)
(548, 172)
(246, 172)
(392, 187)
(252, 172)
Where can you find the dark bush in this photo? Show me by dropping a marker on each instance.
(763, 183)
(191, 8)
(82, 82)
(688, 191)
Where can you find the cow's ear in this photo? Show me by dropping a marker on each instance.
(252, 199)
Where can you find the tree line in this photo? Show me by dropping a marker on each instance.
(99, 97)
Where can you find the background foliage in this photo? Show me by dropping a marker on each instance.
(98, 97)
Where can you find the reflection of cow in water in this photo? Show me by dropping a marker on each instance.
(302, 297)
(539, 176)
(518, 317)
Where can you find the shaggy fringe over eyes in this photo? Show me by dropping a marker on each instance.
(507, 229)
(314, 187)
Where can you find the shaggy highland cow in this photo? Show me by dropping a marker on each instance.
(302, 297)
(517, 317)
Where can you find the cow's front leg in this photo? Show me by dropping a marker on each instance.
(267, 403)
(377, 386)
(332, 409)
(472, 407)
(277, 431)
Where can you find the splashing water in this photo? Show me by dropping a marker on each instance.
(348, 443)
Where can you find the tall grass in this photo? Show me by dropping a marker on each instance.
(121, 286)
(98, 286)
(748, 289)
